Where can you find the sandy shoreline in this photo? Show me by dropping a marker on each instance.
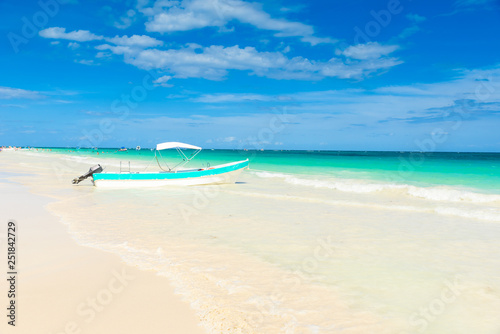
(63, 287)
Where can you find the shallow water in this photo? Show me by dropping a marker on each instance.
(346, 246)
(472, 170)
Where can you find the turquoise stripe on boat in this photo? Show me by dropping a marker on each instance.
(168, 175)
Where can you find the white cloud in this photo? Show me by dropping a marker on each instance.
(126, 20)
(357, 70)
(163, 81)
(170, 16)
(467, 3)
(415, 18)
(223, 98)
(141, 41)
(7, 93)
(73, 45)
(135, 40)
(409, 31)
(346, 119)
(409, 112)
(416, 102)
(469, 84)
(103, 55)
(371, 50)
(116, 18)
(77, 35)
(85, 62)
(213, 62)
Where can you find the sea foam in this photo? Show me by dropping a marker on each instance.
(435, 193)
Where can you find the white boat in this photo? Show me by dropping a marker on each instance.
(225, 173)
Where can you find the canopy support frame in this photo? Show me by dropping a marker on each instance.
(185, 158)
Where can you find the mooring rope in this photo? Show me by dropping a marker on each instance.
(159, 165)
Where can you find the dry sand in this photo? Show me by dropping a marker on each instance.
(63, 287)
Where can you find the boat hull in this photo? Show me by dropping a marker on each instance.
(221, 174)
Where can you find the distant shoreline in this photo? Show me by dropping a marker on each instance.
(264, 149)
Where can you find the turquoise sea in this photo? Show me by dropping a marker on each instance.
(479, 171)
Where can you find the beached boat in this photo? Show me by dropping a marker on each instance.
(177, 175)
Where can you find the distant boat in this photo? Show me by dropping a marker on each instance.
(122, 149)
(138, 148)
(220, 174)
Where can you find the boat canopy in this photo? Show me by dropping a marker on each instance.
(174, 144)
(178, 146)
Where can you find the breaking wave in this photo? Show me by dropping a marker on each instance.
(435, 193)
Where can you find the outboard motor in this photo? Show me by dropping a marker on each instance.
(92, 170)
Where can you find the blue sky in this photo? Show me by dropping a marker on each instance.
(283, 74)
